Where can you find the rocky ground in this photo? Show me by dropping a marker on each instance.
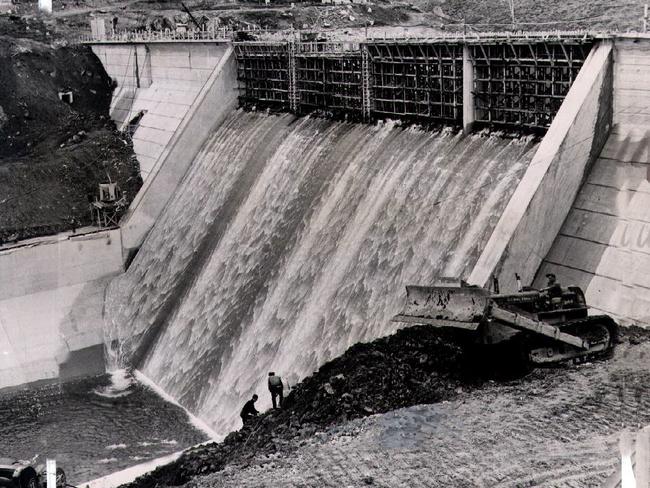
(71, 17)
(414, 409)
(53, 154)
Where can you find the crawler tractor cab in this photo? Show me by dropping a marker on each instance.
(551, 325)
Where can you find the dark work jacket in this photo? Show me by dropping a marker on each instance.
(275, 383)
(249, 409)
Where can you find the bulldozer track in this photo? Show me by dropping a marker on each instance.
(599, 330)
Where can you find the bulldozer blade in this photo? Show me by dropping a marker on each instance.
(406, 319)
(445, 306)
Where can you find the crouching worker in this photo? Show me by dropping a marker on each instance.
(276, 388)
(249, 412)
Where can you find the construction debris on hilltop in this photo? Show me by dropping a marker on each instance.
(57, 141)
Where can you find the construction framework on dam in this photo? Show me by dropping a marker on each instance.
(502, 81)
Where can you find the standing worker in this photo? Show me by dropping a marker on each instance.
(553, 291)
(276, 388)
(249, 412)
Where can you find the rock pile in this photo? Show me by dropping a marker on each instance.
(417, 365)
(414, 366)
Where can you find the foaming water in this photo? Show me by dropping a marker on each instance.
(292, 239)
(92, 435)
(122, 383)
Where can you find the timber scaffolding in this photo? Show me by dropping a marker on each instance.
(506, 80)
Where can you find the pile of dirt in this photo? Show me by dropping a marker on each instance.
(417, 365)
(54, 152)
(414, 366)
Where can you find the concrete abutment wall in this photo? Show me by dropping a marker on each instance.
(163, 80)
(603, 244)
(51, 305)
(217, 98)
(542, 200)
(185, 90)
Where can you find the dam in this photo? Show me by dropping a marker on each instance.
(304, 246)
(292, 190)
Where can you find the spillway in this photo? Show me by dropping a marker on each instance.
(291, 239)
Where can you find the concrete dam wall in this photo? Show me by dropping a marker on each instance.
(291, 239)
(603, 245)
(51, 306)
(159, 81)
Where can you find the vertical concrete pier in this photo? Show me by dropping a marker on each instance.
(469, 111)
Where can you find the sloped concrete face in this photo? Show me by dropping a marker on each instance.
(51, 306)
(604, 245)
(631, 88)
(184, 91)
(537, 210)
(217, 98)
(160, 80)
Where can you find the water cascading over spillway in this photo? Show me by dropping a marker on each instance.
(291, 239)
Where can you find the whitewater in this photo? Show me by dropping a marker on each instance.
(291, 239)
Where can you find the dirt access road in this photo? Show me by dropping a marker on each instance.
(553, 428)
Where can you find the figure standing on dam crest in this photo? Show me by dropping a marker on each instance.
(249, 412)
(276, 388)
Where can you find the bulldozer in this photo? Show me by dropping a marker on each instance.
(549, 326)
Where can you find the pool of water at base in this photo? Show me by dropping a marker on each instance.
(92, 427)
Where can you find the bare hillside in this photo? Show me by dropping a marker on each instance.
(71, 17)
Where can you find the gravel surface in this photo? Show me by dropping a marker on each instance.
(553, 428)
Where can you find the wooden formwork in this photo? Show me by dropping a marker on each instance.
(417, 80)
(523, 84)
(329, 77)
(263, 73)
(516, 82)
